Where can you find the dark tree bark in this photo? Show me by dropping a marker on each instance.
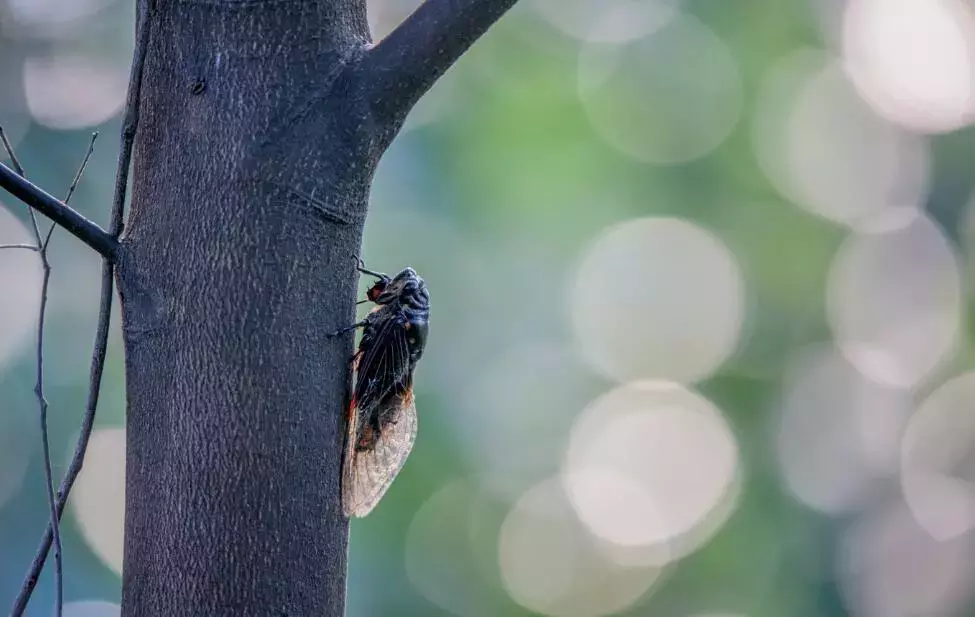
(261, 124)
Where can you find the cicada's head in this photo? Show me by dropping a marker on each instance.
(407, 287)
(373, 293)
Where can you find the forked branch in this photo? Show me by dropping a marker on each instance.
(56, 210)
(404, 65)
(41, 249)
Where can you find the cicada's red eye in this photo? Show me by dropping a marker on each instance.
(376, 290)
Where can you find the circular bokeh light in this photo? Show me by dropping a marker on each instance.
(55, 17)
(839, 433)
(657, 298)
(825, 149)
(441, 553)
(521, 408)
(651, 464)
(639, 98)
(606, 21)
(890, 567)
(98, 498)
(913, 61)
(97, 90)
(938, 460)
(20, 280)
(550, 564)
(894, 302)
(91, 608)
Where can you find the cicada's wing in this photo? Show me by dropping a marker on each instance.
(383, 365)
(367, 473)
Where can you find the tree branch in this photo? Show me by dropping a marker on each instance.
(131, 119)
(404, 65)
(87, 423)
(41, 249)
(85, 230)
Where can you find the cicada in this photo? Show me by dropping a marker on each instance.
(381, 415)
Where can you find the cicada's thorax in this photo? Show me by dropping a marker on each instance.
(415, 320)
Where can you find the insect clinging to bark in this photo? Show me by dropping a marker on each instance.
(382, 416)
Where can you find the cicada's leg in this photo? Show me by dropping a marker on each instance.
(347, 329)
(361, 267)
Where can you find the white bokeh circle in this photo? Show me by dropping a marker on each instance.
(937, 475)
(545, 387)
(913, 61)
(442, 552)
(551, 565)
(91, 608)
(825, 149)
(652, 464)
(657, 298)
(20, 280)
(98, 498)
(605, 21)
(97, 89)
(638, 97)
(894, 302)
(53, 17)
(889, 567)
(838, 435)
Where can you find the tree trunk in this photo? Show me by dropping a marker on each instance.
(250, 183)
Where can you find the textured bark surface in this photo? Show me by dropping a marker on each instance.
(250, 182)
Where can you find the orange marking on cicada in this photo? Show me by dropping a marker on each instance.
(368, 437)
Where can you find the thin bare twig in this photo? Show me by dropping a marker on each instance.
(39, 391)
(20, 171)
(10, 153)
(42, 400)
(78, 458)
(48, 476)
(74, 184)
(30, 247)
(41, 249)
(100, 348)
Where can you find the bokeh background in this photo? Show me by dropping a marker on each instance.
(700, 342)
